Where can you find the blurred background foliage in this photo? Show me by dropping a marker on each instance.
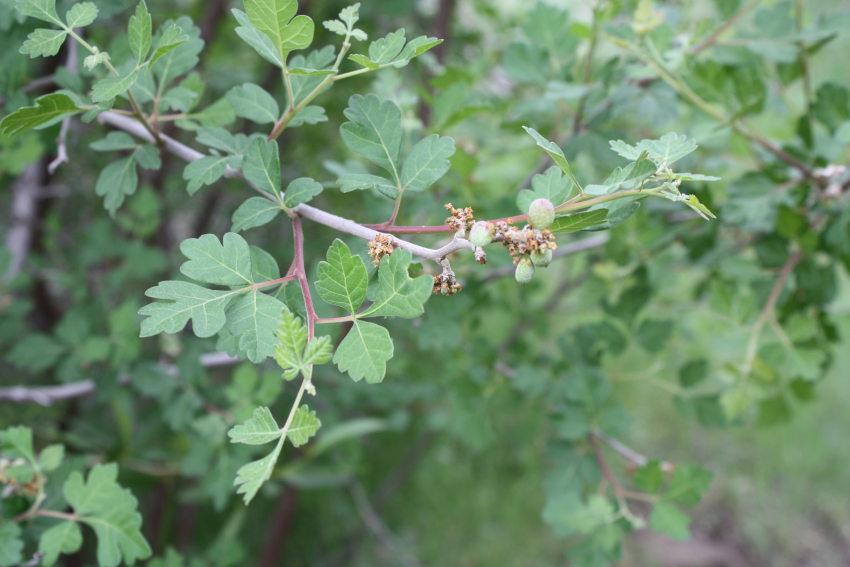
(458, 458)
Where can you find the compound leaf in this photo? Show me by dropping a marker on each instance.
(256, 39)
(184, 301)
(274, 18)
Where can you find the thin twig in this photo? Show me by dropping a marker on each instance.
(724, 27)
(25, 192)
(767, 311)
(61, 148)
(372, 520)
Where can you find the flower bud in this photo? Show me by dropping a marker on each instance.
(542, 258)
(541, 213)
(524, 271)
(481, 233)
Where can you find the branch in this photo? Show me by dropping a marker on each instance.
(47, 395)
(25, 191)
(314, 214)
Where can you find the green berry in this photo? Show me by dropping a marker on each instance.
(541, 213)
(481, 233)
(524, 271)
(541, 259)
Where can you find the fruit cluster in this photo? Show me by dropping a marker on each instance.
(380, 247)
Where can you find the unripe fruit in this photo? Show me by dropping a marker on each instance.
(541, 213)
(481, 233)
(524, 271)
(541, 259)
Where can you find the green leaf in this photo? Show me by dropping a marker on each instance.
(147, 156)
(48, 110)
(64, 537)
(666, 518)
(688, 484)
(43, 42)
(11, 544)
(114, 141)
(386, 49)
(17, 442)
(392, 51)
(41, 9)
(551, 148)
(301, 190)
(181, 58)
(275, 19)
(427, 161)
(139, 32)
(304, 425)
(360, 181)
(254, 212)
(261, 165)
(115, 182)
(664, 151)
(51, 457)
(250, 477)
(225, 263)
(221, 139)
(254, 103)
(254, 317)
(579, 221)
(205, 171)
(364, 352)
(110, 87)
(110, 511)
(35, 352)
(81, 14)
(342, 278)
(170, 38)
(256, 39)
(293, 353)
(398, 294)
(551, 185)
(184, 301)
(373, 130)
(261, 428)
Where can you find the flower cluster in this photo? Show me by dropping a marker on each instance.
(380, 247)
(460, 219)
(526, 241)
(446, 283)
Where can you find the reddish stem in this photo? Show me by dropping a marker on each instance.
(298, 270)
(268, 283)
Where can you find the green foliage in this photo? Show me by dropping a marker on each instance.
(730, 323)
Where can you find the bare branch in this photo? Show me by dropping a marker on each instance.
(47, 395)
(25, 192)
(61, 149)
